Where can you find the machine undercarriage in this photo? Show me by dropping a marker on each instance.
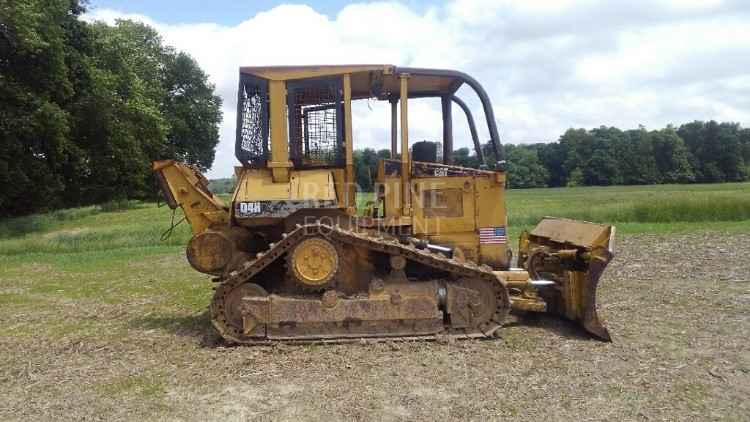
(415, 292)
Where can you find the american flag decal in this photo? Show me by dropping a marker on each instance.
(492, 235)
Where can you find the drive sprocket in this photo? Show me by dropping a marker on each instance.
(314, 263)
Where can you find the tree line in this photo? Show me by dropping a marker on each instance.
(85, 108)
(696, 152)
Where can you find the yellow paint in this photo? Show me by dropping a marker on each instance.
(315, 261)
(445, 220)
(595, 238)
(389, 198)
(189, 188)
(467, 242)
(514, 278)
(405, 170)
(350, 194)
(461, 204)
(279, 140)
(340, 186)
(490, 212)
(444, 210)
(361, 78)
(258, 185)
(283, 73)
(578, 233)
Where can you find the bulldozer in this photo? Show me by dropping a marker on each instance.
(294, 259)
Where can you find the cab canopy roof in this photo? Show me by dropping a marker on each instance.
(372, 80)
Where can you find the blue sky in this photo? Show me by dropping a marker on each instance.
(224, 12)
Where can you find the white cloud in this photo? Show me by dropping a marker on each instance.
(693, 4)
(548, 65)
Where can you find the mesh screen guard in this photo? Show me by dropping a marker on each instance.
(252, 144)
(316, 131)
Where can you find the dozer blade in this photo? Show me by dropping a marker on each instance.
(565, 259)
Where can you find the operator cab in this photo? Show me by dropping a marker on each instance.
(316, 109)
(294, 140)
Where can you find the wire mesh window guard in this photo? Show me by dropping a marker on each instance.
(316, 123)
(252, 122)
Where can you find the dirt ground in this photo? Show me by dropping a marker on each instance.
(678, 308)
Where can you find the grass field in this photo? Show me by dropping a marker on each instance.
(637, 209)
(104, 320)
(633, 209)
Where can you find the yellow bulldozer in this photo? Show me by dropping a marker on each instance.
(294, 260)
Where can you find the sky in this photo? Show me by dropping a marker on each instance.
(547, 65)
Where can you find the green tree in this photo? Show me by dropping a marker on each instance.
(35, 87)
(552, 157)
(716, 150)
(745, 141)
(672, 157)
(729, 157)
(603, 167)
(365, 168)
(575, 178)
(524, 168)
(147, 102)
(638, 158)
(84, 108)
(577, 147)
(464, 158)
(191, 110)
(122, 101)
(222, 186)
(693, 135)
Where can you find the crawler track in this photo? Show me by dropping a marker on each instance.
(457, 269)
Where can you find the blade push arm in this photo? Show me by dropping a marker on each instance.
(569, 257)
(183, 186)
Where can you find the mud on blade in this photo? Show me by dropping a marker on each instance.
(565, 259)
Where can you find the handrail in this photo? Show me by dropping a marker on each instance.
(481, 93)
(472, 128)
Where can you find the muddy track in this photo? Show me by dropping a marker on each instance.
(457, 269)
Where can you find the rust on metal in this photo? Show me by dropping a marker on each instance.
(314, 262)
(407, 309)
(572, 256)
(429, 257)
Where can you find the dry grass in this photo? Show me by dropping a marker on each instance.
(121, 335)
